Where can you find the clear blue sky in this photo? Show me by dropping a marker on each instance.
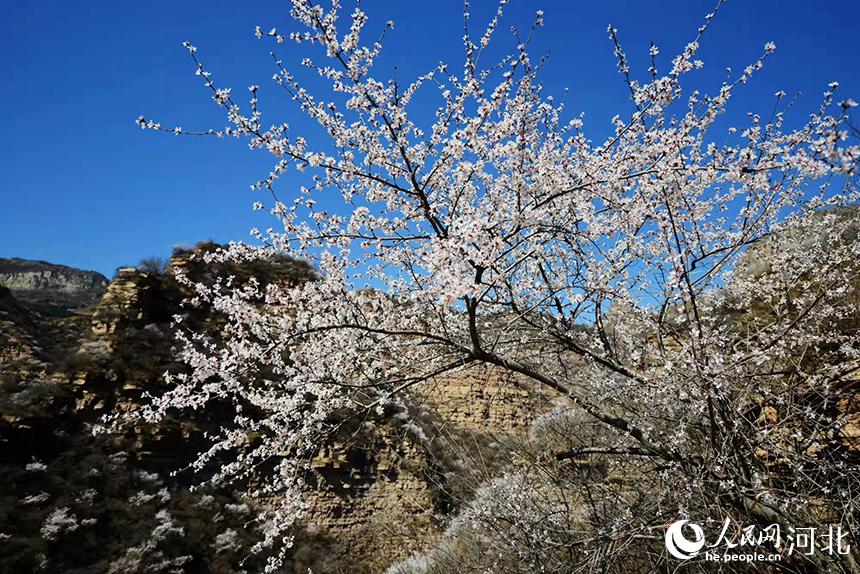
(82, 185)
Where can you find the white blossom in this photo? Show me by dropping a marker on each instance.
(610, 272)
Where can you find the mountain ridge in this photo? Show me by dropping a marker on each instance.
(51, 288)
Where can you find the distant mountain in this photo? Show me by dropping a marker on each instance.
(51, 288)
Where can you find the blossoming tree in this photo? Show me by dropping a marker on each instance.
(611, 273)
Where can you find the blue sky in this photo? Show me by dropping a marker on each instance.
(82, 185)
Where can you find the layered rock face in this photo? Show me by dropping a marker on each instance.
(49, 287)
(376, 495)
(75, 501)
(486, 398)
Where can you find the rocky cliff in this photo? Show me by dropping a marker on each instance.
(51, 288)
(73, 501)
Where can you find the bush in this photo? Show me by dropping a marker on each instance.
(153, 265)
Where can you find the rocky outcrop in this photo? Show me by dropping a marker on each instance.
(72, 500)
(51, 288)
(484, 399)
(18, 330)
(377, 492)
(373, 498)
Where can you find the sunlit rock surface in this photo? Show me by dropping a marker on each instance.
(51, 288)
